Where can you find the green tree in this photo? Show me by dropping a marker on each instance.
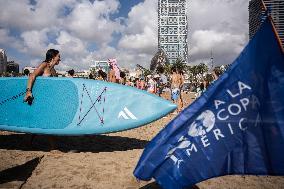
(145, 71)
(202, 68)
(159, 59)
(196, 73)
(167, 69)
(180, 65)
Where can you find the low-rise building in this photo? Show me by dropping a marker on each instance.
(12, 67)
(82, 74)
(99, 65)
(28, 70)
(3, 61)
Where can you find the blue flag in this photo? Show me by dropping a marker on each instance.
(235, 127)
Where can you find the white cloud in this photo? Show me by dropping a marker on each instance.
(125, 58)
(6, 38)
(73, 51)
(220, 43)
(34, 42)
(140, 37)
(72, 26)
(219, 15)
(91, 21)
(23, 16)
(142, 15)
(142, 42)
(220, 26)
(36, 62)
(71, 45)
(69, 26)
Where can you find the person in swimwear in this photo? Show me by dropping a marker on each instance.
(181, 104)
(142, 83)
(45, 69)
(176, 83)
(151, 86)
(114, 73)
(111, 74)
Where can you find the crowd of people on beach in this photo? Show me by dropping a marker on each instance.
(158, 83)
(153, 84)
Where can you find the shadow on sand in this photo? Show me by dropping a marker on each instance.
(94, 143)
(19, 172)
(154, 185)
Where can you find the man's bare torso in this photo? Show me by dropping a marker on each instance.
(176, 81)
(112, 76)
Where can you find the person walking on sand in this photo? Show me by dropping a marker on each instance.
(45, 69)
(111, 74)
(176, 82)
(142, 83)
(151, 85)
(181, 103)
(163, 83)
(114, 73)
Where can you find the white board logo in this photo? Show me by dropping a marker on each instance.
(203, 124)
(126, 114)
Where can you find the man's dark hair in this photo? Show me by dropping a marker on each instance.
(71, 72)
(50, 54)
(122, 74)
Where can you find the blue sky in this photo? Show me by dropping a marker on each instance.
(126, 6)
(84, 31)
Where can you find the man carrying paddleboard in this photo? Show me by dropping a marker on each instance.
(45, 69)
(176, 83)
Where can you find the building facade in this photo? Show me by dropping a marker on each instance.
(12, 67)
(257, 16)
(99, 65)
(28, 70)
(3, 61)
(172, 29)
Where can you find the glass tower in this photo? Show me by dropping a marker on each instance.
(172, 29)
(257, 12)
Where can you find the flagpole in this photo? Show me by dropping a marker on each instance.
(274, 28)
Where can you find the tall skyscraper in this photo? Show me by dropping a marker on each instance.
(172, 29)
(257, 12)
(3, 61)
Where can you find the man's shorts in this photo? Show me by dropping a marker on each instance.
(175, 93)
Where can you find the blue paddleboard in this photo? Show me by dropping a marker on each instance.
(71, 106)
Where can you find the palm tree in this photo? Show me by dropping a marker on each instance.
(160, 59)
(168, 69)
(180, 65)
(145, 71)
(196, 72)
(202, 68)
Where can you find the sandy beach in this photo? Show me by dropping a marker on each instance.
(102, 161)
